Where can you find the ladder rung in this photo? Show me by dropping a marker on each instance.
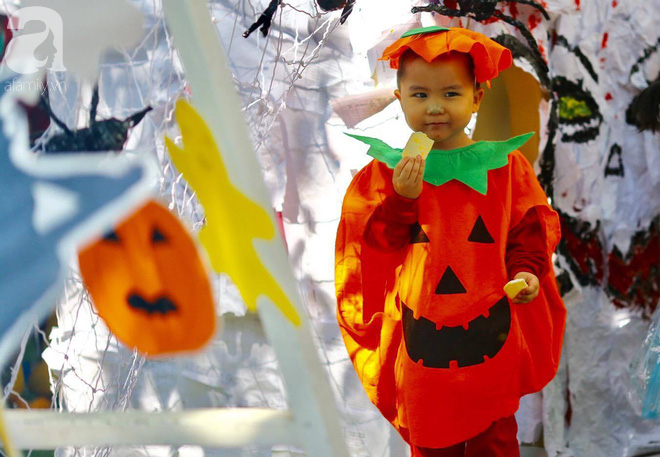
(217, 427)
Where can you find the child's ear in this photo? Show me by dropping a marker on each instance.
(397, 94)
(478, 95)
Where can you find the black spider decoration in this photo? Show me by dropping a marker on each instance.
(482, 10)
(266, 18)
(100, 136)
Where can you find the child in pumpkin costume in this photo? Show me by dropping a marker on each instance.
(424, 248)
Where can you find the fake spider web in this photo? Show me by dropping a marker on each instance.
(285, 80)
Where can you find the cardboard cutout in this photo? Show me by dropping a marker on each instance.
(233, 220)
(149, 284)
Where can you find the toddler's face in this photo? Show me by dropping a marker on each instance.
(438, 98)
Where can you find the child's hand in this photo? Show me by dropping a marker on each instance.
(408, 175)
(532, 290)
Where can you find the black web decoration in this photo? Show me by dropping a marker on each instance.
(266, 18)
(483, 10)
(100, 136)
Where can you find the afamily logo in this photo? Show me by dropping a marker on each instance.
(33, 48)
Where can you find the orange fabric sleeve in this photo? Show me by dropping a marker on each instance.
(388, 228)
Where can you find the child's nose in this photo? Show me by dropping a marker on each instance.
(435, 109)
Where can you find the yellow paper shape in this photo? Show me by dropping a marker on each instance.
(513, 288)
(8, 446)
(418, 144)
(232, 219)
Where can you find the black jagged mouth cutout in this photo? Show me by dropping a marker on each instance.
(161, 305)
(484, 337)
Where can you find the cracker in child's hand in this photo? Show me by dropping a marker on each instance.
(418, 144)
(513, 288)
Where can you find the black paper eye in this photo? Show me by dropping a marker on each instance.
(111, 236)
(157, 236)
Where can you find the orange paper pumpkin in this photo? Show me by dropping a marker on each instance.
(438, 346)
(149, 284)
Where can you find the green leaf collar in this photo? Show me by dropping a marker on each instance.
(469, 164)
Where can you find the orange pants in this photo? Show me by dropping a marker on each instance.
(498, 441)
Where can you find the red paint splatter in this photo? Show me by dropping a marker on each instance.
(634, 279)
(603, 44)
(513, 10)
(608, 96)
(577, 4)
(542, 51)
(614, 3)
(580, 242)
(533, 21)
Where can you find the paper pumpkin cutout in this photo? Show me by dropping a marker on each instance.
(50, 205)
(233, 221)
(149, 284)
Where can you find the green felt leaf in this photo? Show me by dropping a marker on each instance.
(469, 164)
(421, 30)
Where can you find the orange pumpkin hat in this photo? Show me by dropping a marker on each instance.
(489, 57)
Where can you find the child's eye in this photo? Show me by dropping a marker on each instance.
(452, 94)
(419, 95)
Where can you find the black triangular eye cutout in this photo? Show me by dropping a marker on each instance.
(417, 234)
(449, 284)
(157, 236)
(480, 233)
(111, 236)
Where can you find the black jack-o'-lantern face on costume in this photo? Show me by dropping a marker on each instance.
(480, 341)
(446, 318)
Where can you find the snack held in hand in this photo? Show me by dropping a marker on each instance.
(418, 144)
(513, 288)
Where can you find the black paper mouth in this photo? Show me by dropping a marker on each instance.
(161, 305)
(484, 337)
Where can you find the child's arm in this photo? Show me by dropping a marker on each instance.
(388, 228)
(526, 255)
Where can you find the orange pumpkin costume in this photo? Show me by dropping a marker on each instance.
(439, 348)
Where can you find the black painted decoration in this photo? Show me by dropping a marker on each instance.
(480, 233)
(417, 234)
(579, 114)
(614, 169)
(449, 284)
